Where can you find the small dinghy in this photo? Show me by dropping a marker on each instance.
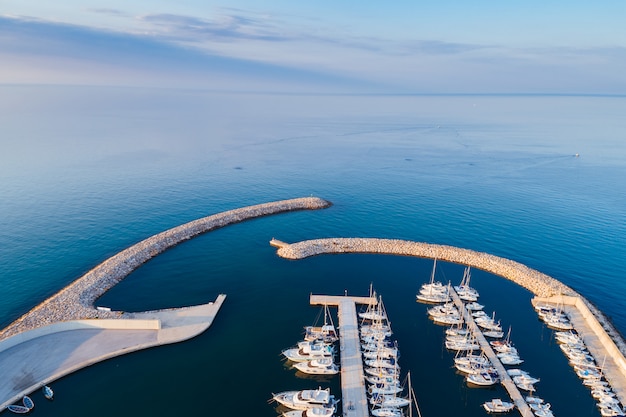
(47, 392)
(28, 402)
(18, 409)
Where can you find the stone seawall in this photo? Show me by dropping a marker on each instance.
(75, 302)
(541, 285)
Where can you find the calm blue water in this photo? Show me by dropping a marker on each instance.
(86, 172)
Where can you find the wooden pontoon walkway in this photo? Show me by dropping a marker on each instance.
(505, 379)
(353, 397)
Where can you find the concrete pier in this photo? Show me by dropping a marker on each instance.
(353, 395)
(38, 357)
(505, 379)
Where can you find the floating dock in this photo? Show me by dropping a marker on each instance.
(353, 396)
(505, 379)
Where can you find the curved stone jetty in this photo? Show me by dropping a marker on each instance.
(541, 285)
(75, 302)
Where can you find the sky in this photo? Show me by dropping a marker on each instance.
(575, 47)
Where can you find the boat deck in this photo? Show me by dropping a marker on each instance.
(353, 397)
(505, 379)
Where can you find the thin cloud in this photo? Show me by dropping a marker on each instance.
(222, 28)
(109, 12)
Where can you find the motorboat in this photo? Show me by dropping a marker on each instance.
(305, 399)
(386, 412)
(534, 400)
(541, 410)
(484, 378)
(307, 351)
(474, 306)
(525, 379)
(498, 406)
(324, 366)
(311, 412)
(443, 310)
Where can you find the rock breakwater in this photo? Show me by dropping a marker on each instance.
(75, 301)
(536, 282)
(540, 284)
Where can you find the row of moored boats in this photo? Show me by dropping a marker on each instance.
(28, 404)
(470, 360)
(583, 362)
(314, 355)
(388, 394)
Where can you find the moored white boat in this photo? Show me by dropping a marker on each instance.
(433, 292)
(498, 406)
(308, 350)
(304, 399)
(311, 412)
(324, 366)
(325, 333)
(484, 378)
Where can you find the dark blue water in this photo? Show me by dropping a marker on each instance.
(86, 172)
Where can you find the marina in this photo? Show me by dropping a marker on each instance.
(505, 379)
(174, 325)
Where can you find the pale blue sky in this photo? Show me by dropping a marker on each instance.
(401, 46)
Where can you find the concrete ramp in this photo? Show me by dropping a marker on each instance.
(36, 358)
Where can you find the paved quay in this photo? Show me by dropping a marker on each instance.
(41, 358)
(353, 396)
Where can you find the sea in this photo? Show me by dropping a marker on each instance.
(88, 171)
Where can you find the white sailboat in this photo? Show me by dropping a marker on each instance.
(325, 333)
(433, 292)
